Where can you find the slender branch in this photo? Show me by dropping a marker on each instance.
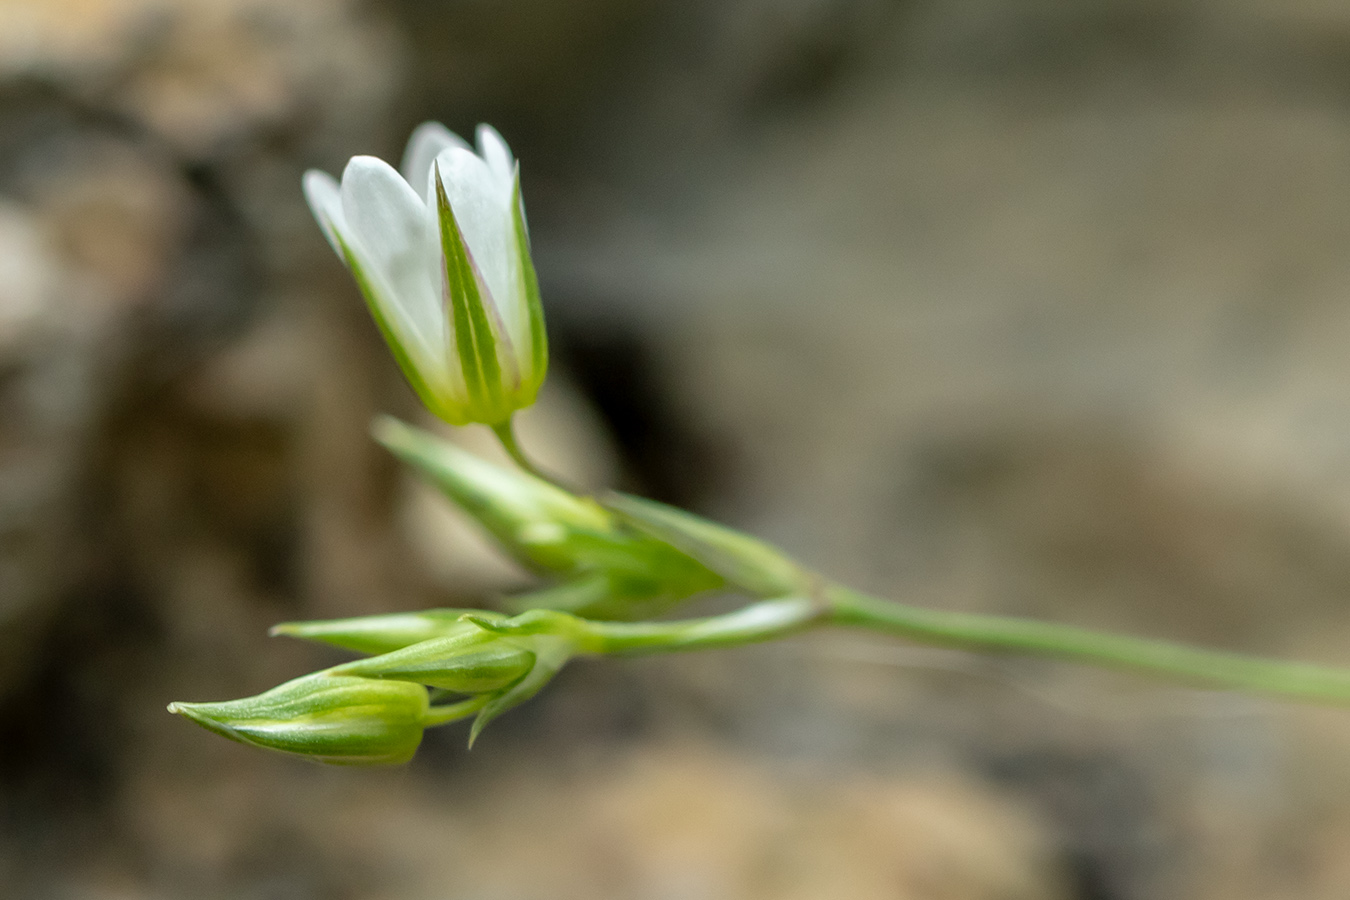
(506, 434)
(766, 620)
(769, 620)
(969, 631)
(443, 713)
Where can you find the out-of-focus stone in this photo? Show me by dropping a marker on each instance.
(45, 397)
(636, 824)
(117, 213)
(1004, 305)
(1044, 314)
(142, 219)
(206, 75)
(95, 228)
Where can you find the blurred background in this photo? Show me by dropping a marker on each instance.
(1018, 306)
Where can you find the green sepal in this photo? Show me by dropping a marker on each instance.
(538, 349)
(476, 340)
(517, 694)
(327, 718)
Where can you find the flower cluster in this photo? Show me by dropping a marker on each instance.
(626, 559)
(441, 254)
(373, 711)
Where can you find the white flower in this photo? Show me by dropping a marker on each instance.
(442, 255)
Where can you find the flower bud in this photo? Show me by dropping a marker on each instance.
(473, 661)
(744, 561)
(329, 718)
(608, 569)
(441, 254)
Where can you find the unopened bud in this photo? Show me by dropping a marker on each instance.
(329, 718)
(745, 562)
(473, 661)
(609, 569)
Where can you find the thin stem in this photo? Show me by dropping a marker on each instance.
(769, 620)
(969, 631)
(506, 433)
(763, 621)
(444, 713)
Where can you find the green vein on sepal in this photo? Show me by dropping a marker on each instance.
(474, 337)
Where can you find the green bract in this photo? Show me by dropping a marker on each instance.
(441, 253)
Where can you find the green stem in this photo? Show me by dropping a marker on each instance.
(506, 434)
(763, 621)
(969, 631)
(769, 620)
(444, 713)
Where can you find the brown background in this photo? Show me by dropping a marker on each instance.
(1003, 305)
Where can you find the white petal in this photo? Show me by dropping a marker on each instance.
(427, 141)
(397, 238)
(321, 192)
(496, 154)
(482, 207)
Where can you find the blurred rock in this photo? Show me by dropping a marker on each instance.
(138, 153)
(682, 821)
(1033, 310)
(44, 393)
(210, 77)
(1023, 307)
(90, 235)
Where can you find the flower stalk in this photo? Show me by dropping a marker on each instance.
(1052, 640)
(506, 435)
